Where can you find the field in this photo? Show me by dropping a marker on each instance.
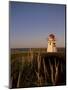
(35, 67)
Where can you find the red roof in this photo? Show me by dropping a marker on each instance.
(52, 36)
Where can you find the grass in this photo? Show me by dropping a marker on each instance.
(33, 69)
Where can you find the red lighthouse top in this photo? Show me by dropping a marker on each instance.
(52, 36)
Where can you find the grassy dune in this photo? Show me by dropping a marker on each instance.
(37, 68)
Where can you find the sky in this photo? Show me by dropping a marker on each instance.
(31, 23)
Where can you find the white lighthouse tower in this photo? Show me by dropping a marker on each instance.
(51, 43)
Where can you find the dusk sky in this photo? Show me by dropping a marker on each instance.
(31, 23)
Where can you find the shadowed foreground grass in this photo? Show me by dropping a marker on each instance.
(37, 69)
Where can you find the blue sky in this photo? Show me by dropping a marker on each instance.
(31, 23)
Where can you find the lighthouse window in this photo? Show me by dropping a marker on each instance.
(54, 44)
(50, 43)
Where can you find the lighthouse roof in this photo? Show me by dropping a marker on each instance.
(52, 36)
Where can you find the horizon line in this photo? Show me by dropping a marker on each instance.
(33, 47)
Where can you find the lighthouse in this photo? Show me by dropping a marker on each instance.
(51, 43)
